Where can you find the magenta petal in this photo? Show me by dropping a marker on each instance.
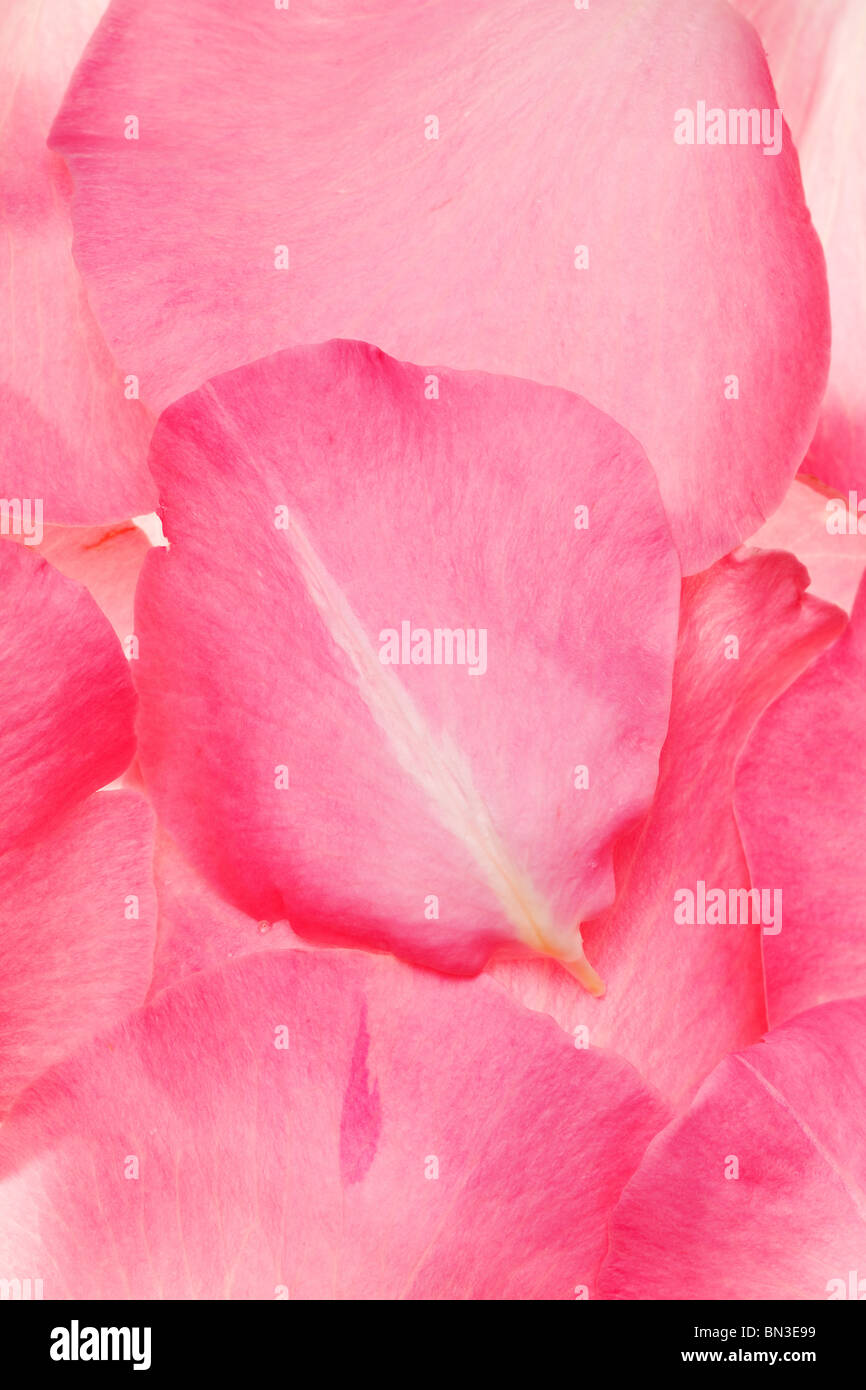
(800, 804)
(65, 693)
(415, 1138)
(284, 187)
(758, 1191)
(679, 997)
(73, 435)
(77, 934)
(436, 808)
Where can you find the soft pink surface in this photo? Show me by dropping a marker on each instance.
(305, 129)
(679, 997)
(405, 782)
(198, 929)
(66, 696)
(73, 958)
(835, 562)
(106, 560)
(70, 436)
(817, 55)
(303, 1168)
(792, 1110)
(801, 806)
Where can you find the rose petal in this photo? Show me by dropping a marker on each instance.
(817, 524)
(297, 138)
(800, 805)
(430, 810)
(680, 997)
(65, 693)
(77, 934)
(106, 560)
(199, 930)
(71, 437)
(417, 1138)
(788, 1218)
(817, 56)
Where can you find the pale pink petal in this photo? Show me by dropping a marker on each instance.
(106, 560)
(681, 996)
(72, 438)
(760, 1190)
(66, 696)
(283, 188)
(429, 809)
(817, 55)
(820, 526)
(416, 1138)
(801, 807)
(77, 933)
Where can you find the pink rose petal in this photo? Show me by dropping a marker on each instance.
(284, 187)
(817, 55)
(416, 1138)
(426, 809)
(800, 804)
(788, 1117)
(65, 693)
(77, 932)
(72, 439)
(681, 996)
(821, 528)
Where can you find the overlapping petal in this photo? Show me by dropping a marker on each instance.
(828, 535)
(415, 1137)
(801, 808)
(427, 178)
(817, 56)
(759, 1191)
(75, 434)
(77, 933)
(66, 696)
(410, 698)
(679, 996)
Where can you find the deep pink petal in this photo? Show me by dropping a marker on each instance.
(198, 929)
(800, 803)
(429, 810)
(71, 438)
(305, 130)
(66, 696)
(791, 1112)
(817, 55)
(679, 997)
(307, 1170)
(820, 527)
(77, 933)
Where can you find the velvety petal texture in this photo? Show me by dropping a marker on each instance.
(198, 929)
(107, 560)
(800, 803)
(760, 1190)
(308, 1126)
(826, 530)
(75, 434)
(681, 994)
(66, 697)
(817, 56)
(77, 933)
(423, 680)
(426, 177)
